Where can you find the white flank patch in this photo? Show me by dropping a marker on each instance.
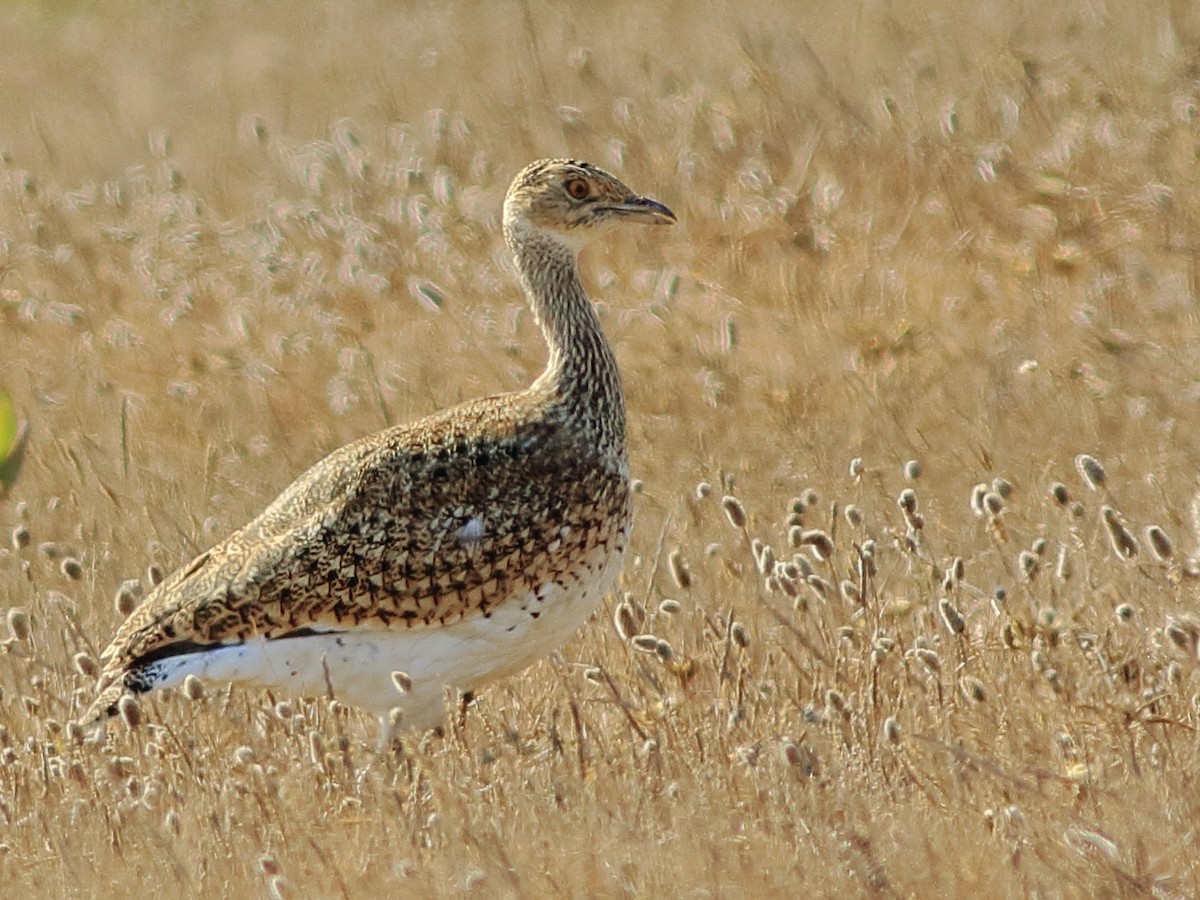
(471, 534)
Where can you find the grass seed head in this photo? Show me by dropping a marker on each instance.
(50, 550)
(854, 516)
(820, 542)
(739, 635)
(790, 753)
(193, 688)
(835, 701)
(928, 657)
(951, 617)
(1194, 517)
(766, 560)
(954, 574)
(907, 501)
(18, 624)
(20, 537)
(786, 575)
(958, 568)
(680, 573)
(1184, 633)
(130, 710)
(1091, 471)
(1003, 487)
(703, 490)
(669, 607)
(647, 643)
(71, 568)
(1039, 660)
(978, 492)
(734, 511)
(85, 665)
(850, 592)
(126, 599)
(1062, 566)
(912, 470)
(822, 587)
(1124, 612)
(154, 575)
(993, 503)
(973, 689)
(1028, 565)
(279, 888)
(1123, 542)
(625, 621)
(856, 468)
(891, 731)
(800, 758)
(1160, 544)
(1060, 494)
(402, 682)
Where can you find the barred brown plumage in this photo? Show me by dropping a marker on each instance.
(457, 548)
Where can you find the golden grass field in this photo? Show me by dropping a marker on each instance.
(234, 238)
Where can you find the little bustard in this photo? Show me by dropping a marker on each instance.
(456, 549)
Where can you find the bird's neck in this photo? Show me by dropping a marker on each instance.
(581, 374)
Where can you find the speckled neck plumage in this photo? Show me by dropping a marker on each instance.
(581, 373)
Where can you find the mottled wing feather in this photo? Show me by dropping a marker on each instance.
(414, 526)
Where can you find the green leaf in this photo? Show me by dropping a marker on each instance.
(13, 435)
(8, 425)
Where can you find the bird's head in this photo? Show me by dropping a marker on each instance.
(572, 202)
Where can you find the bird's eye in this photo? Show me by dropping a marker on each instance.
(578, 188)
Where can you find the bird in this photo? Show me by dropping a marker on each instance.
(443, 553)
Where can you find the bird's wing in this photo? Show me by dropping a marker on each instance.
(402, 529)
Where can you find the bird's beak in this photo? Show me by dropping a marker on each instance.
(644, 210)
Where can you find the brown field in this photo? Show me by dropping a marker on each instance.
(233, 238)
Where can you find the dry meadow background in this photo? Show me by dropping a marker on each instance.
(233, 237)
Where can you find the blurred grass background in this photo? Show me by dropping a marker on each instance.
(234, 237)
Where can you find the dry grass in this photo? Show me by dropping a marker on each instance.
(231, 240)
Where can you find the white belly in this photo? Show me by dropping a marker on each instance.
(358, 662)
